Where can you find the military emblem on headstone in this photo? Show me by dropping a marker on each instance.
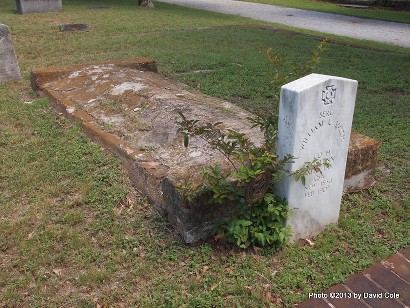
(329, 95)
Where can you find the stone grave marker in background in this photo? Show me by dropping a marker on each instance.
(38, 6)
(99, 7)
(315, 119)
(9, 68)
(73, 27)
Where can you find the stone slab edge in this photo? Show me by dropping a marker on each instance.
(42, 76)
(361, 163)
(146, 173)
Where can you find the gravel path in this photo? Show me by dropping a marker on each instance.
(367, 29)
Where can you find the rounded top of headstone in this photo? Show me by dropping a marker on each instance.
(312, 80)
(4, 30)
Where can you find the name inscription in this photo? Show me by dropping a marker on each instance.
(319, 126)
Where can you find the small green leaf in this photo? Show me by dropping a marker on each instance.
(186, 140)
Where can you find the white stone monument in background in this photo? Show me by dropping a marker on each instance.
(315, 120)
(38, 6)
(9, 68)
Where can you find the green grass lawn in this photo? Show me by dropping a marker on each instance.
(387, 14)
(74, 233)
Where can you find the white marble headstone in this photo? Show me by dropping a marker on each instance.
(315, 120)
(9, 68)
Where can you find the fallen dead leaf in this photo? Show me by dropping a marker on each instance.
(310, 242)
(257, 249)
(30, 234)
(273, 273)
(130, 209)
(268, 297)
(277, 300)
(130, 200)
(143, 254)
(388, 264)
(219, 236)
(120, 210)
(267, 294)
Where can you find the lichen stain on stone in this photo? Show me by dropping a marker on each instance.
(70, 109)
(127, 86)
(195, 153)
(362, 154)
(361, 163)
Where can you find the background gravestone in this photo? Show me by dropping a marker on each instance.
(9, 68)
(72, 27)
(38, 6)
(315, 119)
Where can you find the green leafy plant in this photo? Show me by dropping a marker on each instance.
(262, 216)
(258, 223)
(261, 224)
(280, 76)
(315, 166)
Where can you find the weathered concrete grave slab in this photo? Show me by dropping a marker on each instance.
(133, 111)
(315, 119)
(9, 68)
(38, 6)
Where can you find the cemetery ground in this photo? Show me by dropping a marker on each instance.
(73, 232)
